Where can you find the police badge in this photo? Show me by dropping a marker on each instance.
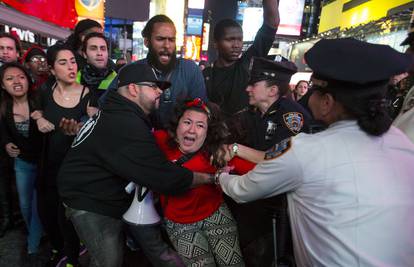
(270, 130)
(294, 121)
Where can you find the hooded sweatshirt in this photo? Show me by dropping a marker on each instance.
(115, 147)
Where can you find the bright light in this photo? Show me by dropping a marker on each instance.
(199, 4)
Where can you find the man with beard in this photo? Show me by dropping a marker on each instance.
(35, 61)
(96, 74)
(93, 176)
(226, 80)
(184, 75)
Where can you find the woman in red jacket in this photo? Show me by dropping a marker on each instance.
(199, 223)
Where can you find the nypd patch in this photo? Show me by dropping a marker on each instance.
(293, 121)
(278, 149)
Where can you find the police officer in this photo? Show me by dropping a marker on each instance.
(350, 182)
(271, 118)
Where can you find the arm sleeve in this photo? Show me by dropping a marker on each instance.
(197, 86)
(261, 44)
(5, 136)
(267, 179)
(143, 162)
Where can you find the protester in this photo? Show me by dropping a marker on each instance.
(348, 183)
(9, 48)
(184, 75)
(75, 40)
(114, 147)
(35, 61)
(22, 142)
(65, 100)
(97, 74)
(199, 219)
(9, 52)
(227, 78)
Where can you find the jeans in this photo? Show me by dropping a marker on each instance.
(26, 173)
(155, 248)
(102, 236)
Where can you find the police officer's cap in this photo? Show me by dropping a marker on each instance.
(347, 61)
(264, 69)
(138, 73)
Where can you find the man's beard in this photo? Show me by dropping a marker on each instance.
(155, 62)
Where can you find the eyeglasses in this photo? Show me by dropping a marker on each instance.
(152, 85)
(38, 59)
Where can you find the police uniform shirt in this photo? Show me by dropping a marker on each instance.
(350, 195)
(283, 119)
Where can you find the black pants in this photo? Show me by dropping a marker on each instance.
(61, 233)
(5, 187)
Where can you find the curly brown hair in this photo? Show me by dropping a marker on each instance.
(217, 130)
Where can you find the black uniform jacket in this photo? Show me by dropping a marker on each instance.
(283, 119)
(114, 147)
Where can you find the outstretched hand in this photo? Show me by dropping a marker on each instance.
(70, 126)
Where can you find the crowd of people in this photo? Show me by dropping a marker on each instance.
(243, 169)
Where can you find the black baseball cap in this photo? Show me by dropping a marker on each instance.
(138, 73)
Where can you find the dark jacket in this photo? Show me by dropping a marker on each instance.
(283, 119)
(30, 147)
(114, 147)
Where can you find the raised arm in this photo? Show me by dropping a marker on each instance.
(271, 13)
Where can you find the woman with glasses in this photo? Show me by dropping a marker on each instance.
(35, 61)
(198, 222)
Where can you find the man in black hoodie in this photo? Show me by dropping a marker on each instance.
(115, 147)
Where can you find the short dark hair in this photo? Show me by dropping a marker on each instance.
(52, 52)
(92, 35)
(14, 38)
(147, 31)
(222, 25)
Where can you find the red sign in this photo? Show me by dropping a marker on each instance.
(62, 12)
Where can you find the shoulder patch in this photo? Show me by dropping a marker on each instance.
(278, 149)
(293, 121)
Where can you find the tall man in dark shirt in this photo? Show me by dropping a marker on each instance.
(227, 79)
(112, 148)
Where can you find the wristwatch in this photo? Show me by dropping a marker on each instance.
(235, 149)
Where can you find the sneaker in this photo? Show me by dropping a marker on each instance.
(82, 249)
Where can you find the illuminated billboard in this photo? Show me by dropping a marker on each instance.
(194, 22)
(291, 14)
(192, 47)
